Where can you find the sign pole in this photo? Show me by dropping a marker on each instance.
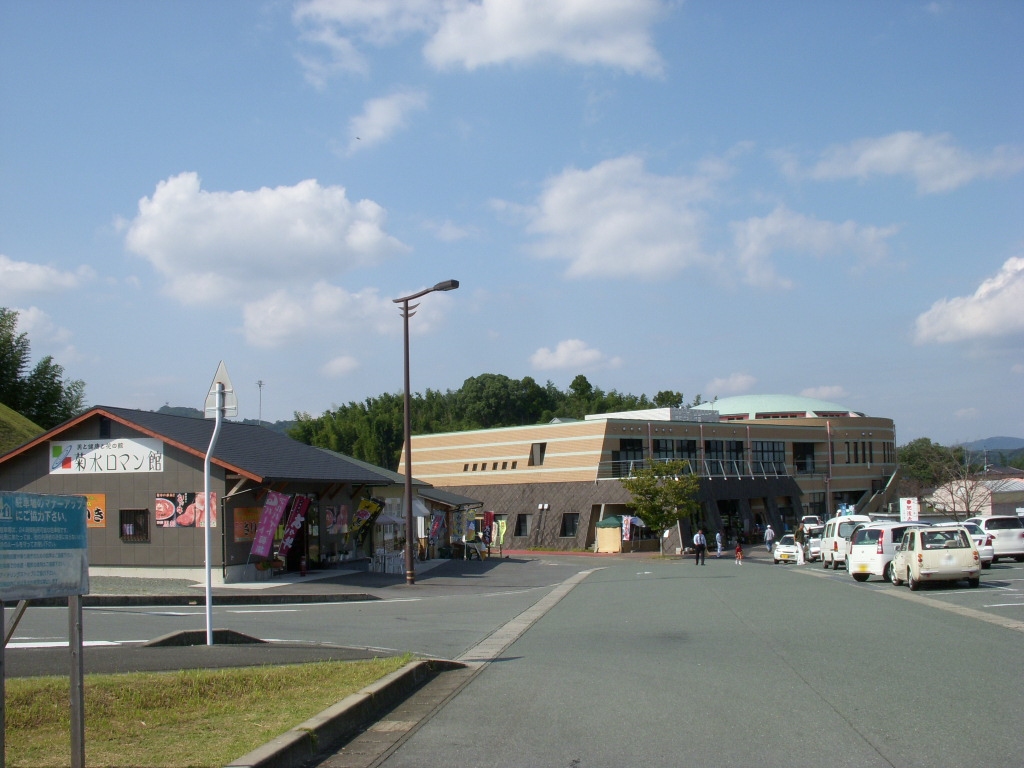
(207, 517)
(77, 681)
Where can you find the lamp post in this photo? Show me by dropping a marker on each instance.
(407, 312)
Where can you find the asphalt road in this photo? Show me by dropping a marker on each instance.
(647, 662)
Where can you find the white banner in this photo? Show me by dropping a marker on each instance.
(910, 509)
(101, 457)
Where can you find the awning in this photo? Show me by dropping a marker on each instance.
(448, 499)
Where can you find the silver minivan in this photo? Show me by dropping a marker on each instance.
(872, 547)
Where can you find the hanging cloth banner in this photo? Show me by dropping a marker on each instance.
(488, 528)
(362, 519)
(270, 517)
(295, 520)
(435, 526)
(627, 521)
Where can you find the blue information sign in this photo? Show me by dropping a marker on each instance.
(43, 546)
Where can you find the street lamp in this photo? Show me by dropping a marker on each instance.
(407, 312)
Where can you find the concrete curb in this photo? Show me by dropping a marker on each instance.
(343, 720)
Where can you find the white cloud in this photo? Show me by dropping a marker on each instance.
(572, 354)
(22, 278)
(966, 413)
(476, 33)
(382, 118)
(733, 384)
(40, 327)
(826, 392)
(618, 220)
(339, 367)
(447, 231)
(323, 311)
(934, 162)
(758, 238)
(612, 33)
(220, 246)
(991, 311)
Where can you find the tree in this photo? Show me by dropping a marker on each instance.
(663, 493)
(925, 465)
(41, 395)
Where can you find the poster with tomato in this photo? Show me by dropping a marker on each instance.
(184, 510)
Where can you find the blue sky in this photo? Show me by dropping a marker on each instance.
(715, 198)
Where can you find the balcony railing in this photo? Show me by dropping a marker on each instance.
(702, 468)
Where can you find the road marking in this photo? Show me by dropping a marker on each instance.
(263, 610)
(1004, 605)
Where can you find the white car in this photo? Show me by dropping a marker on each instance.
(872, 546)
(983, 541)
(786, 550)
(812, 546)
(836, 538)
(1007, 535)
(936, 553)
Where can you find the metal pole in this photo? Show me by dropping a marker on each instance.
(77, 682)
(207, 512)
(410, 563)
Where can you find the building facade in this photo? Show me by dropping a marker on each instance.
(760, 460)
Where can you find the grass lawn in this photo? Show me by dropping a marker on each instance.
(176, 719)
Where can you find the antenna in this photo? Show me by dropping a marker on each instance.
(259, 383)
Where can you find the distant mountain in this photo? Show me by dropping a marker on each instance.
(995, 444)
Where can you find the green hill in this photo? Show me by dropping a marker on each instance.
(15, 429)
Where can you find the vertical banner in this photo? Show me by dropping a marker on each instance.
(910, 509)
(436, 521)
(273, 510)
(488, 528)
(295, 520)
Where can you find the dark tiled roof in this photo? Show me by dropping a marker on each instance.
(250, 448)
(448, 498)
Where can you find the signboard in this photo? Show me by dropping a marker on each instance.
(106, 457)
(96, 510)
(910, 510)
(296, 518)
(43, 546)
(184, 510)
(246, 520)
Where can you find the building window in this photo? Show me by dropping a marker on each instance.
(474, 467)
(803, 457)
(522, 525)
(714, 453)
(537, 451)
(768, 456)
(504, 465)
(465, 467)
(133, 525)
(495, 466)
(570, 524)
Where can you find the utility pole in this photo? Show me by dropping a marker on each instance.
(259, 384)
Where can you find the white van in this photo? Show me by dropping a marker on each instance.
(872, 547)
(836, 537)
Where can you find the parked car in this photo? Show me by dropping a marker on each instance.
(786, 550)
(872, 546)
(812, 543)
(811, 521)
(983, 541)
(835, 537)
(936, 553)
(1007, 535)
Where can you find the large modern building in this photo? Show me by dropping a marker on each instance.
(760, 460)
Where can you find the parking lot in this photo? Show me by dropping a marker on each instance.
(999, 599)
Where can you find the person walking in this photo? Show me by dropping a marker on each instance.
(739, 554)
(769, 537)
(700, 545)
(718, 543)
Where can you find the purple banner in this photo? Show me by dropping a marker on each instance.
(273, 509)
(295, 520)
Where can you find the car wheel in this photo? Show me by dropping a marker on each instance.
(994, 558)
(913, 583)
(860, 577)
(776, 562)
(987, 565)
(824, 562)
(1019, 558)
(973, 582)
(893, 577)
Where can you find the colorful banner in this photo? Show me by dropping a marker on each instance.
(184, 510)
(436, 521)
(95, 510)
(488, 528)
(501, 533)
(337, 519)
(627, 521)
(273, 510)
(296, 518)
(106, 457)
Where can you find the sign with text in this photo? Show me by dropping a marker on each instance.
(106, 457)
(296, 518)
(910, 509)
(42, 546)
(247, 520)
(96, 510)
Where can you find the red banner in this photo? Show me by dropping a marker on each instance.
(295, 520)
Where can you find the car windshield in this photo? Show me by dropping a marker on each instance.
(867, 536)
(948, 539)
(787, 540)
(973, 529)
(845, 528)
(1004, 523)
